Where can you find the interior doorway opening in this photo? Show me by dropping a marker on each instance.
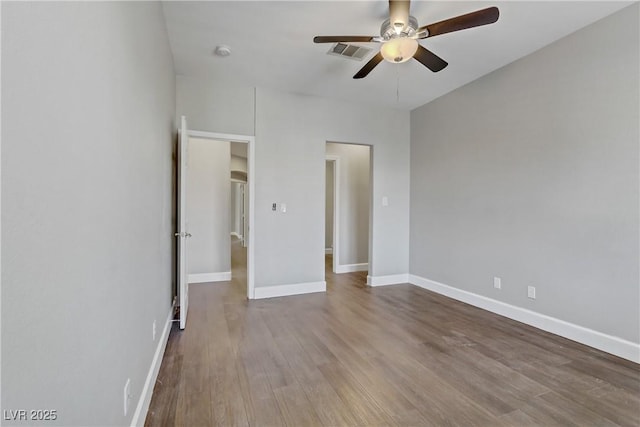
(193, 179)
(239, 207)
(348, 207)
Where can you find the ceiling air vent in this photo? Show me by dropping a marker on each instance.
(349, 51)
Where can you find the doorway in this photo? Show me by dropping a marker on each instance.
(247, 143)
(348, 206)
(238, 214)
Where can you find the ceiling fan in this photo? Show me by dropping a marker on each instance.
(400, 33)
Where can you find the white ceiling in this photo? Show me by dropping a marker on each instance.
(272, 44)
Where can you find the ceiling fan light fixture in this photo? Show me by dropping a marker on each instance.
(399, 50)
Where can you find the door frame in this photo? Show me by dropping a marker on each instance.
(250, 141)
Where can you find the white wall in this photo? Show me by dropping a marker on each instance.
(215, 106)
(236, 208)
(531, 174)
(87, 134)
(208, 205)
(291, 135)
(354, 201)
(233, 209)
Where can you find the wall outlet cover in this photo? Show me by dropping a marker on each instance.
(497, 283)
(531, 292)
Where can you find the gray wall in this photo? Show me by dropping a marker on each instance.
(291, 132)
(215, 106)
(328, 207)
(236, 208)
(208, 206)
(354, 201)
(291, 135)
(87, 132)
(531, 174)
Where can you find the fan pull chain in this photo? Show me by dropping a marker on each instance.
(397, 84)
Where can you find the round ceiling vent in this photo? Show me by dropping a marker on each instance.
(222, 50)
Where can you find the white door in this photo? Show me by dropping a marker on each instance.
(183, 234)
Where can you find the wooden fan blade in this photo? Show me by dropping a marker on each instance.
(399, 12)
(462, 22)
(344, 39)
(369, 66)
(429, 59)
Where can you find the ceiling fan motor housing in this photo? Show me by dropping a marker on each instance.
(388, 31)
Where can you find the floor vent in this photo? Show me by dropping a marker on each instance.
(349, 51)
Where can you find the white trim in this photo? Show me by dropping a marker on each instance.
(231, 137)
(608, 343)
(251, 152)
(350, 268)
(145, 395)
(392, 279)
(286, 290)
(250, 234)
(222, 276)
(235, 234)
(1, 223)
(328, 250)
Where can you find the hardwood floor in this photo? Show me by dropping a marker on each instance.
(396, 355)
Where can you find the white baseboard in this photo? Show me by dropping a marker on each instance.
(210, 277)
(350, 268)
(328, 250)
(142, 408)
(261, 292)
(608, 343)
(393, 279)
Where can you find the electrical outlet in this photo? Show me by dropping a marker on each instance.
(497, 283)
(127, 396)
(531, 292)
(154, 329)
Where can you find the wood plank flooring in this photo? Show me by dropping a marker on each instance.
(396, 355)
